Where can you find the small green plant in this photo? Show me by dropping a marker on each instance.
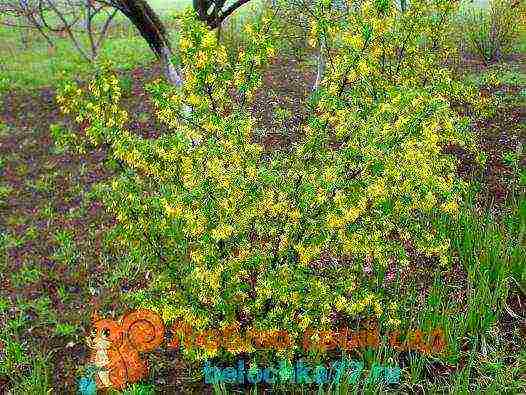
(127, 85)
(32, 233)
(511, 158)
(37, 381)
(65, 329)
(64, 239)
(26, 275)
(4, 87)
(139, 389)
(44, 183)
(47, 211)
(282, 114)
(64, 139)
(4, 304)
(5, 190)
(43, 307)
(66, 251)
(13, 357)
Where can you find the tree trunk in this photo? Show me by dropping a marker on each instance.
(170, 71)
(153, 31)
(321, 68)
(173, 74)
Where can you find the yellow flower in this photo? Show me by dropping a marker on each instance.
(194, 100)
(450, 207)
(363, 68)
(210, 78)
(197, 257)
(186, 165)
(201, 60)
(352, 76)
(335, 222)
(271, 52)
(247, 130)
(214, 279)
(190, 80)
(239, 78)
(376, 51)
(321, 196)
(377, 307)
(352, 214)
(393, 322)
(444, 260)
(209, 39)
(222, 232)
(377, 189)
(283, 243)
(294, 215)
(339, 198)
(428, 202)
(224, 181)
(340, 303)
(353, 40)
(329, 174)
(248, 28)
(221, 55)
(333, 89)
(174, 211)
(305, 321)
(252, 172)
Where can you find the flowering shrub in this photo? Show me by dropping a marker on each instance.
(278, 241)
(493, 32)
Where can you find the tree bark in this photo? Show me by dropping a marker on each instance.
(170, 71)
(153, 31)
(216, 17)
(321, 68)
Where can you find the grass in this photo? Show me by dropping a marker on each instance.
(507, 74)
(521, 45)
(34, 67)
(38, 381)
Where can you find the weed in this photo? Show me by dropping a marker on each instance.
(26, 276)
(37, 381)
(66, 251)
(65, 329)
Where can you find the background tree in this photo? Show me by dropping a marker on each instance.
(69, 18)
(214, 12)
(151, 28)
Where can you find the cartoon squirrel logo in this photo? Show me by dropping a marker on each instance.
(116, 346)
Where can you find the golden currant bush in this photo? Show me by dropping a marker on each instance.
(279, 241)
